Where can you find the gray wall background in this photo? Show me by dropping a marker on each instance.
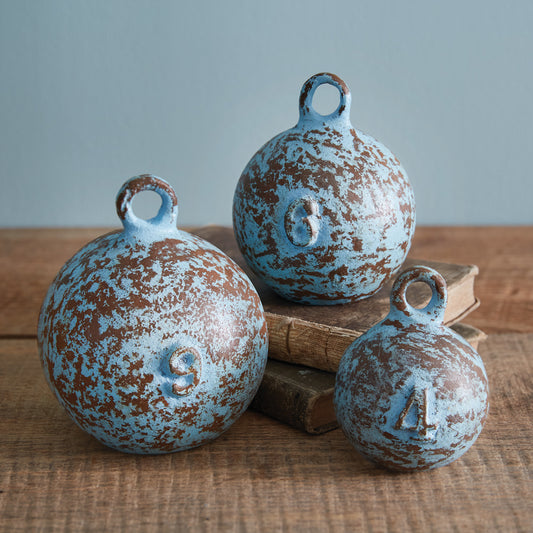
(94, 92)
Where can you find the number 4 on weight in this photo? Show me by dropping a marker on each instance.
(417, 400)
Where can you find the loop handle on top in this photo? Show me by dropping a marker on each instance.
(307, 112)
(434, 310)
(167, 215)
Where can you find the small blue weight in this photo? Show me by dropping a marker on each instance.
(152, 339)
(411, 394)
(324, 213)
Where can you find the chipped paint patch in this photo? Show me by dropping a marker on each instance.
(152, 339)
(324, 213)
(411, 394)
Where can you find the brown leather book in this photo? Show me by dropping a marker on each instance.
(303, 397)
(317, 336)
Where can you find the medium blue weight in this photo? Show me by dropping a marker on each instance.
(151, 338)
(324, 213)
(411, 394)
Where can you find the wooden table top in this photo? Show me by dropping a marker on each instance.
(262, 475)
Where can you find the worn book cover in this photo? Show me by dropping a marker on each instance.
(317, 336)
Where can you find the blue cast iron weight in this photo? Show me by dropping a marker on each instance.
(152, 339)
(411, 394)
(324, 213)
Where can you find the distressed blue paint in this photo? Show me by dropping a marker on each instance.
(324, 213)
(123, 305)
(410, 393)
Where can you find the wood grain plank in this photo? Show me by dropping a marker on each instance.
(30, 259)
(504, 256)
(261, 475)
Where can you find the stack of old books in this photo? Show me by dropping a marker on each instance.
(307, 342)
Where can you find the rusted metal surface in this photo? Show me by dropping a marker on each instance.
(410, 393)
(323, 212)
(151, 338)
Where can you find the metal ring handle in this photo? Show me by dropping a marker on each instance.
(308, 91)
(434, 310)
(167, 214)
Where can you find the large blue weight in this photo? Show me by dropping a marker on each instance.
(152, 339)
(411, 394)
(324, 213)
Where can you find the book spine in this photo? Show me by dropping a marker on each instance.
(316, 345)
(284, 400)
(305, 343)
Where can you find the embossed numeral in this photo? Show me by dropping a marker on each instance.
(417, 400)
(186, 364)
(302, 221)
